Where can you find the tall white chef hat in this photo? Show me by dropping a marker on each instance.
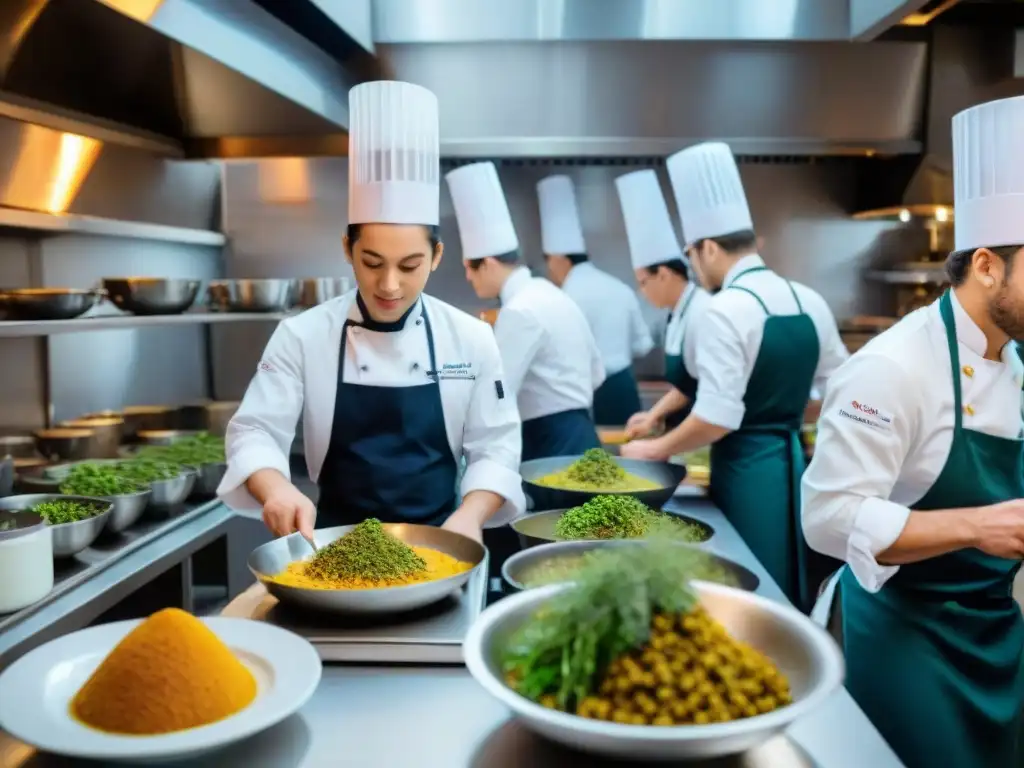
(708, 190)
(485, 224)
(988, 174)
(560, 229)
(394, 166)
(648, 225)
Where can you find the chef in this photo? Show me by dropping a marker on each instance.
(663, 277)
(393, 386)
(551, 360)
(918, 478)
(610, 306)
(763, 342)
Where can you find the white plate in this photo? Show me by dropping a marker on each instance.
(36, 691)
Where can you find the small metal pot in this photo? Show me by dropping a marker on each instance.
(152, 295)
(67, 444)
(107, 433)
(48, 303)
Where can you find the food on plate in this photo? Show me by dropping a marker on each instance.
(622, 517)
(596, 470)
(368, 557)
(94, 479)
(169, 673)
(62, 511)
(630, 643)
(561, 568)
(193, 451)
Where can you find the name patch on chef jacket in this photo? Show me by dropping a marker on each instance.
(863, 413)
(267, 367)
(462, 371)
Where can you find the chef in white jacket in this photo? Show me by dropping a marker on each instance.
(610, 306)
(552, 363)
(663, 275)
(763, 342)
(917, 483)
(393, 386)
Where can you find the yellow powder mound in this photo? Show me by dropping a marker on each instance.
(168, 674)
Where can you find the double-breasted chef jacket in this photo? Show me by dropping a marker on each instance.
(298, 376)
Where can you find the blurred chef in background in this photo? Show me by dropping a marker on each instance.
(663, 276)
(393, 386)
(610, 306)
(917, 483)
(551, 360)
(763, 342)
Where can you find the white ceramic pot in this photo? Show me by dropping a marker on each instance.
(26, 560)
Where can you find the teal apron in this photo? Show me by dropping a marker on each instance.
(676, 373)
(617, 399)
(934, 658)
(756, 470)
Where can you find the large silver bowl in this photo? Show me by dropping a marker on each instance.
(47, 303)
(803, 651)
(168, 493)
(252, 295)
(70, 538)
(208, 477)
(127, 509)
(518, 567)
(667, 476)
(151, 295)
(272, 558)
(537, 528)
(311, 291)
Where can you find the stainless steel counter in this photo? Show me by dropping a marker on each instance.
(438, 717)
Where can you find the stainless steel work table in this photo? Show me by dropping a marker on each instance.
(438, 717)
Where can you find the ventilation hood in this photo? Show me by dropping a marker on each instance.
(182, 77)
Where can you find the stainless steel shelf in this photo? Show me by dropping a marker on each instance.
(92, 225)
(22, 328)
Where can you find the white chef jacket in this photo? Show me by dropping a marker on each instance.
(869, 469)
(681, 333)
(613, 313)
(298, 376)
(730, 334)
(551, 360)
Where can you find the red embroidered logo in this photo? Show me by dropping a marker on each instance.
(267, 367)
(869, 410)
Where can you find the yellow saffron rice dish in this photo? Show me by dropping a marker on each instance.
(368, 557)
(596, 471)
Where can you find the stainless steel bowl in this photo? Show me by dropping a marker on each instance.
(67, 444)
(316, 290)
(48, 303)
(69, 538)
(106, 433)
(537, 528)
(518, 567)
(272, 558)
(208, 477)
(667, 476)
(168, 493)
(18, 446)
(152, 295)
(163, 436)
(127, 509)
(803, 651)
(249, 295)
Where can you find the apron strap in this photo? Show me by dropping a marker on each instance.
(948, 320)
(679, 319)
(799, 306)
(756, 297)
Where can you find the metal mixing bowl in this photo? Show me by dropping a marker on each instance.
(667, 476)
(48, 303)
(107, 433)
(537, 528)
(272, 558)
(151, 295)
(208, 477)
(248, 295)
(168, 493)
(518, 567)
(311, 291)
(803, 651)
(127, 509)
(69, 538)
(67, 444)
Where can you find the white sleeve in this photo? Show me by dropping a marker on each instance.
(260, 434)
(491, 440)
(642, 343)
(723, 370)
(832, 352)
(519, 336)
(865, 432)
(597, 372)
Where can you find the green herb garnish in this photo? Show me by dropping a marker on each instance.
(147, 471)
(98, 480)
(366, 552)
(596, 467)
(61, 512)
(622, 517)
(192, 451)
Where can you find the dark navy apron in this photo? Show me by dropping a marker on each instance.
(617, 399)
(676, 373)
(567, 433)
(389, 455)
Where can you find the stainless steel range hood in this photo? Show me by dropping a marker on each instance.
(184, 77)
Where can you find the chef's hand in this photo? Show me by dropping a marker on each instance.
(640, 425)
(287, 509)
(999, 529)
(465, 525)
(643, 449)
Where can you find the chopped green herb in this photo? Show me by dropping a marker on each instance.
(366, 552)
(60, 512)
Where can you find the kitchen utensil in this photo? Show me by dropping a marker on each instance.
(208, 477)
(127, 509)
(667, 476)
(210, 416)
(47, 303)
(270, 559)
(67, 444)
(518, 567)
(803, 651)
(18, 446)
(311, 291)
(106, 433)
(163, 436)
(26, 560)
(168, 493)
(68, 538)
(151, 295)
(248, 295)
(537, 528)
(146, 417)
